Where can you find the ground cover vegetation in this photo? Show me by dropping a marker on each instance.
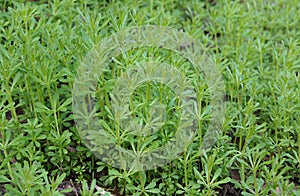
(255, 45)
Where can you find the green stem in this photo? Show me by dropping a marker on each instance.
(185, 168)
(148, 95)
(9, 166)
(299, 147)
(200, 131)
(101, 104)
(10, 100)
(6, 154)
(255, 182)
(53, 109)
(243, 171)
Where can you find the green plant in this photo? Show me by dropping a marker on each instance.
(255, 45)
(31, 180)
(90, 191)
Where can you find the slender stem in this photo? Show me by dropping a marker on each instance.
(299, 147)
(6, 154)
(148, 95)
(255, 182)
(101, 104)
(200, 131)
(185, 168)
(243, 171)
(53, 108)
(10, 100)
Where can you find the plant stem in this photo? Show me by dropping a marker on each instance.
(53, 106)
(10, 100)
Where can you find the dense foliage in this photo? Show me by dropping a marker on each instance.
(255, 45)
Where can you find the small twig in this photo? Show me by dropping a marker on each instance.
(102, 191)
(74, 188)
